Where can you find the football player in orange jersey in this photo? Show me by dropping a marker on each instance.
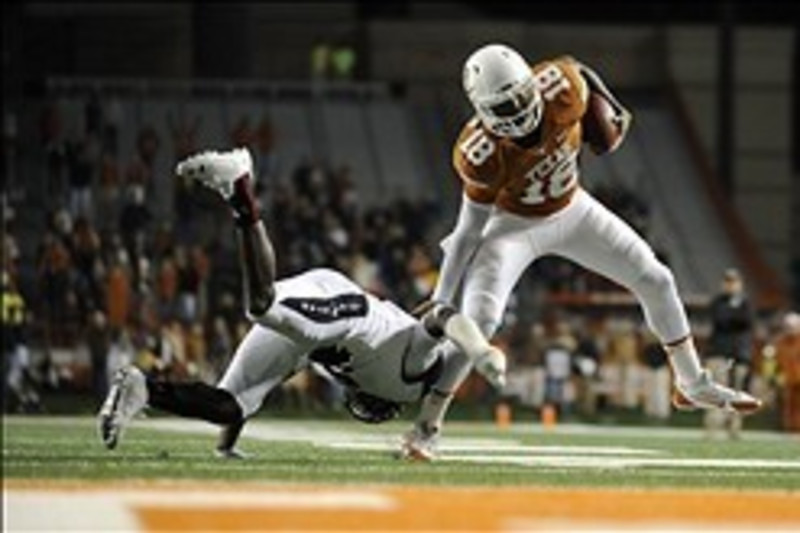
(522, 199)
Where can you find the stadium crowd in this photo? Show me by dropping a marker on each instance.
(111, 280)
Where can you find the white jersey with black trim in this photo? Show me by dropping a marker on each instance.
(323, 308)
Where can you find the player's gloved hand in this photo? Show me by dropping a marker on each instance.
(492, 366)
(623, 121)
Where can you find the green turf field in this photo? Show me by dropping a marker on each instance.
(350, 453)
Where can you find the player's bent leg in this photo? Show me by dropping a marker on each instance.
(204, 402)
(263, 360)
(496, 267)
(126, 397)
(604, 243)
(504, 254)
(226, 445)
(421, 443)
(194, 400)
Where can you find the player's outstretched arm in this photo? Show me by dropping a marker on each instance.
(230, 174)
(459, 247)
(258, 266)
(596, 85)
(488, 360)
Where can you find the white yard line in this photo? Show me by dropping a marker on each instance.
(642, 431)
(620, 462)
(455, 444)
(291, 429)
(490, 451)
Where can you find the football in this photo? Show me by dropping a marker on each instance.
(601, 125)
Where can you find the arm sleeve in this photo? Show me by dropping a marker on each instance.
(623, 117)
(597, 85)
(459, 247)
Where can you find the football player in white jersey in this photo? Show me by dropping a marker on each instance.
(518, 161)
(381, 354)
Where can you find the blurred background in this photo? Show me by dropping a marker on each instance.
(350, 109)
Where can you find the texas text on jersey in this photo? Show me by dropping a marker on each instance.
(529, 181)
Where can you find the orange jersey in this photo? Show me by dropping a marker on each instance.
(538, 180)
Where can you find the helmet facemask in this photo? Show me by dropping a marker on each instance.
(513, 113)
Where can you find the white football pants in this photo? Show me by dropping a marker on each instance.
(585, 232)
(263, 360)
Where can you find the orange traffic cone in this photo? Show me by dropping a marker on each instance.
(549, 416)
(502, 415)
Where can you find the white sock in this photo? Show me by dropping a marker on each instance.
(434, 406)
(684, 360)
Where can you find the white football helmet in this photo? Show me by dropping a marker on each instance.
(500, 85)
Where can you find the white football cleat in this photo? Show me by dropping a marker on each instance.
(126, 397)
(421, 443)
(218, 170)
(492, 366)
(705, 393)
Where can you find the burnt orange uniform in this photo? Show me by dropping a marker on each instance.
(535, 181)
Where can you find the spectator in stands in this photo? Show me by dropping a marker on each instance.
(17, 376)
(623, 354)
(167, 286)
(729, 352)
(196, 352)
(80, 176)
(51, 125)
(220, 347)
(121, 352)
(188, 286)
(118, 289)
(109, 198)
(85, 253)
(787, 353)
(558, 355)
(10, 247)
(98, 340)
(422, 272)
(134, 221)
(586, 363)
(142, 168)
(53, 273)
(657, 380)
